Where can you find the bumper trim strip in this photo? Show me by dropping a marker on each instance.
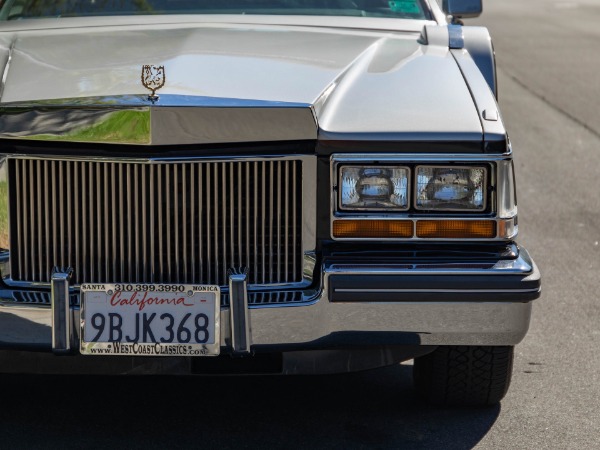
(466, 291)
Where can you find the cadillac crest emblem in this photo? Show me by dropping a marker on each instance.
(153, 78)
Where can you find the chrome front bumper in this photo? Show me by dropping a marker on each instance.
(360, 304)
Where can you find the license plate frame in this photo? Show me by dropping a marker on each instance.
(201, 304)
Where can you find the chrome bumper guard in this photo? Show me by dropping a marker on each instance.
(62, 314)
(489, 305)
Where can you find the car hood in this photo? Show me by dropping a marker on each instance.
(356, 83)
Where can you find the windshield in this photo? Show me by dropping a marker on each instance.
(26, 9)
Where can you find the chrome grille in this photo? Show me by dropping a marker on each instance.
(156, 222)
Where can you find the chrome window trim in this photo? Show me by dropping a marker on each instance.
(309, 202)
(493, 160)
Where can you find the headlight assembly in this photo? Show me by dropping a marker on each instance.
(374, 188)
(451, 188)
(420, 197)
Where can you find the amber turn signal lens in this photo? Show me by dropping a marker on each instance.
(456, 229)
(373, 229)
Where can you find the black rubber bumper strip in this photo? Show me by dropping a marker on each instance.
(433, 288)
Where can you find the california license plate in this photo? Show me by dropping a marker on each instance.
(150, 319)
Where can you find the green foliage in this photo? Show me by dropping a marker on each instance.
(130, 126)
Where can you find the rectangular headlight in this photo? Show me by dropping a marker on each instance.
(374, 188)
(451, 188)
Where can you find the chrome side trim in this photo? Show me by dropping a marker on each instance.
(239, 313)
(61, 311)
(173, 120)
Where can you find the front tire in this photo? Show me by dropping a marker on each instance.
(464, 375)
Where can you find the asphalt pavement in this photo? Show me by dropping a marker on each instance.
(549, 92)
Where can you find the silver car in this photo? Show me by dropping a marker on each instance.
(306, 186)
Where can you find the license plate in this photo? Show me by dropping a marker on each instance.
(150, 320)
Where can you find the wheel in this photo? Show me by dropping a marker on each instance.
(464, 375)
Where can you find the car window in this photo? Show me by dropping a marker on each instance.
(25, 9)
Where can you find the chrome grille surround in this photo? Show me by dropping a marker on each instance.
(256, 299)
(256, 212)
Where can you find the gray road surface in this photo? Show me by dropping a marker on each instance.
(550, 91)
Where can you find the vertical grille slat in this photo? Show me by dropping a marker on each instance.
(185, 213)
(286, 233)
(159, 242)
(152, 222)
(168, 217)
(217, 219)
(40, 216)
(151, 244)
(271, 219)
(120, 210)
(32, 224)
(294, 210)
(193, 223)
(278, 194)
(105, 235)
(263, 247)
(247, 213)
(24, 218)
(208, 228)
(113, 205)
(231, 231)
(90, 222)
(77, 208)
(254, 228)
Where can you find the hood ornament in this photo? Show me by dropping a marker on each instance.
(153, 78)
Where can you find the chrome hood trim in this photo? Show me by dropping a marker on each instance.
(172, 120)
(229, 82)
